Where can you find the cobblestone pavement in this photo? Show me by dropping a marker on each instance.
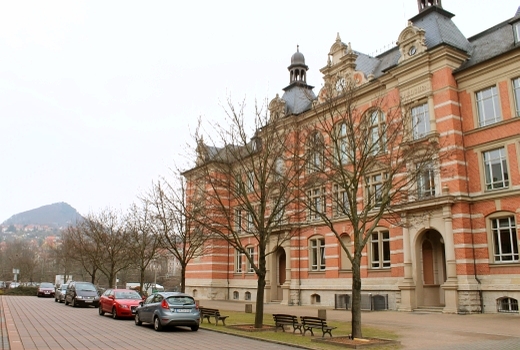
(40, 323)
(424, 331)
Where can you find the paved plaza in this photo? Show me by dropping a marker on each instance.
(36, 323)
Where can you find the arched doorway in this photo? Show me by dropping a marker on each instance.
(431, 269)
(281, 272)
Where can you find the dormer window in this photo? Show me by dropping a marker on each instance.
(516, 30)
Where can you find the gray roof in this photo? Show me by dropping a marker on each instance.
(298, 98)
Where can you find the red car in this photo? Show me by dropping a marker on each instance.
(45, 289)
(119, 302)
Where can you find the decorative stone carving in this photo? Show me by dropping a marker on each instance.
(411, 42)
(277, 108)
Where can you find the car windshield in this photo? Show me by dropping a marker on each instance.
(46, 285)
(85, 287)
(63, 287)
(180, 300)
(127, 295)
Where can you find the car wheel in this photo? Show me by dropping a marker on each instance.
(194, 328)
(137, 320)
(101, 312)
(157, 324)
(114, 313)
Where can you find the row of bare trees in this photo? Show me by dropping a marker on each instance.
(110, 242)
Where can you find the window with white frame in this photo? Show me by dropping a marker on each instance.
(377, 136)
(279, 168)
(374, 189)
(238, 220)
(239, 260)
(249, 222)
(317, 253)
(340, 205)
(495, 169)
(488, 108)
(250, 181)
(251, 253)
(278, 211)
(420, 121)
(315, 152)
(316, 197)
(516, 93)
(426, 181)
(342, 152)
(505, 242)
(380, 249)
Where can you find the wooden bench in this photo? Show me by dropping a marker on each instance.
(310, 322)
(207, 313)
(281, 320)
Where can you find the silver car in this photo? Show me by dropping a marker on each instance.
(59, 295)
(168, 309)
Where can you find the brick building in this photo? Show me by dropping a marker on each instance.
(458, 249)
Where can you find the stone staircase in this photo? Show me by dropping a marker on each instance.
(429, 309)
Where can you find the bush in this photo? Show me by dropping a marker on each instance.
(21, 291)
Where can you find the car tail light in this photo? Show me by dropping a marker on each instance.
(165, 304)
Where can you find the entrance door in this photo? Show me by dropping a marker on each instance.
(281, 272)
(431, 269)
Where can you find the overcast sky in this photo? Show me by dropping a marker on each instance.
(99, 98)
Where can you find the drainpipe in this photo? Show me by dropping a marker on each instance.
(479, 290)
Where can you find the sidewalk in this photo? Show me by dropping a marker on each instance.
(416, 330)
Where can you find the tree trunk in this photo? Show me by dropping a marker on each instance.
(259, 316)
(356, 298)
(183, 278)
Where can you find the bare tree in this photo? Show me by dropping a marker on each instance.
(144, 242)
(79, 247)
(248, 181)
(174, 222)
(367, 163)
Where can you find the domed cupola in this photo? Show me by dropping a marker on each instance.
(298, 69)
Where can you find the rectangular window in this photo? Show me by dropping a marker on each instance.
(341, 205)
(238, 220)
(505, 241)
(380, 250)
(249, 222)
(420, 121)
(239, 259)
(516, 92)
(488, 107)
(251, 253)
(317, 254)
(516, 29)
(374, 189)
(426, 182)
(250, 181)
(316, 203)
(495, 169)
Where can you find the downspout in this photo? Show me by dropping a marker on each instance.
(227, 275)
(479, 289)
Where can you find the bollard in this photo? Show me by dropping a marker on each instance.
(249, 308)
(322, 313)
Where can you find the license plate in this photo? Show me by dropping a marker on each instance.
(47, 292)
(88, 301)
(182, 310)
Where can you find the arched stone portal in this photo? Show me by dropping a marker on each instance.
(431, 269)
(281, 272)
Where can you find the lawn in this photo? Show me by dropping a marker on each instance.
(343, 329)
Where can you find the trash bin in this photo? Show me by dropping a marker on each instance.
(249, 308)
(322, 313)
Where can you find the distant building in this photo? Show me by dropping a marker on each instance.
(464, 256)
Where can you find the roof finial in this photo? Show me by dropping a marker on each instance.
(297, 48)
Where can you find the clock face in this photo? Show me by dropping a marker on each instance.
(340, 84)
(412, 51)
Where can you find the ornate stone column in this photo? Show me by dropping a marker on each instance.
(451, 284)
(407, 285)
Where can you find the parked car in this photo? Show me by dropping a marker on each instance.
(81, 294)
(14, 285)
(119, 302)
(60, 292)
(168, 309)
(45, 289)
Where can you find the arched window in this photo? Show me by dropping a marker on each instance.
(342, 150)
(315, 152)
(507, 305)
